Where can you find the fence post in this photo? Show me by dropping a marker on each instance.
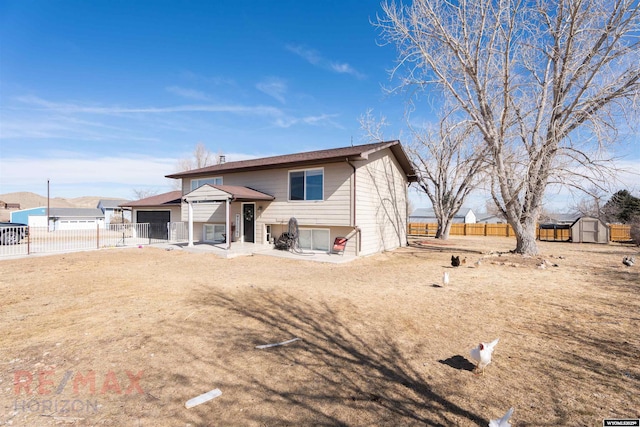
(29, 240)
(97, 236)
(507, 229)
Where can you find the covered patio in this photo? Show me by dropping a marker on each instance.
(207, 199)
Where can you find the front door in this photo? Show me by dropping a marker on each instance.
(248, 222)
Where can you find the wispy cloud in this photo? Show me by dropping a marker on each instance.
(314, 57)
(187, 93)
(32, 117)
(320, 120)
(274, 87)
(213, 80)
(89, 109)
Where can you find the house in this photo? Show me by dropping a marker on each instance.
(359, 192)
(60, 218)
(111, 208)
(428, 216)
(158, 211)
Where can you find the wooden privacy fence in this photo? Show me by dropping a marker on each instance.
(617, 232)
(429, 229)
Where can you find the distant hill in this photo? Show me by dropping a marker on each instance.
(29, 200)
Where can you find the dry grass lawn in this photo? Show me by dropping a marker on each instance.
(127, 336)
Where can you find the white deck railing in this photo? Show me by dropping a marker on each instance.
(43, 240)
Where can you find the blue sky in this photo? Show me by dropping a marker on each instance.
(103, 97)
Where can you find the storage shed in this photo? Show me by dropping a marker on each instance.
(589, 230)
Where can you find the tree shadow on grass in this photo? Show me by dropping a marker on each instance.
(337, 374)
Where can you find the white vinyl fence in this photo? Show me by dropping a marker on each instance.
(42, 240)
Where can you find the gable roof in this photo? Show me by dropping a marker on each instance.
(170, 198)
(224, 192)
(353, 153)
(111, 203)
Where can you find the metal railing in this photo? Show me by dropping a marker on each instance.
(42, 240)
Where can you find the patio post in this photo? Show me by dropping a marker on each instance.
(190, 224)
(227, 229)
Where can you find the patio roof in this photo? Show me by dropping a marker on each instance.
(226, 192)
(170, 198)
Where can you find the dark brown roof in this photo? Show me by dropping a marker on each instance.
(170, 198)
(358, 152)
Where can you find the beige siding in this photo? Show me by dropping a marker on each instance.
(381, 205)
(334, 210)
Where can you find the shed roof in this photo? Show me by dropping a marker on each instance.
(353, 153)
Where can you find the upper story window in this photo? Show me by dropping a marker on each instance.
(306, 184)
(195, 183)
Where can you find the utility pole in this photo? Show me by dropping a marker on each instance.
(48, 227)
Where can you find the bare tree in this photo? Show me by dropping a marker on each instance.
(448, 160)
(200, 158)
(591, 204)
(450, 163)
(546, 82)
(143, 193)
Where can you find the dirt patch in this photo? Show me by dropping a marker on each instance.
(129, 335)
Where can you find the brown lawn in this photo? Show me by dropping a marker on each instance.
(127, 336)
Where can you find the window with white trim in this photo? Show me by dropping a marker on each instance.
(314, 239)
(197, 183)
(306, 184)
(213, 233)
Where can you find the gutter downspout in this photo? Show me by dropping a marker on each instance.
(353, 207)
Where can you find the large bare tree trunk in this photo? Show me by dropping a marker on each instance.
(526, 237)
(444, 228)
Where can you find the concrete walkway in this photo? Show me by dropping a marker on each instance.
(248, 249)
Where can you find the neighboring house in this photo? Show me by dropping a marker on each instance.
(157, 211)
(60, 218)
(359, 192)
(111, 207)
(428, 216)
(487, 218)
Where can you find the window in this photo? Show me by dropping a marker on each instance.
(314, 239)
(196, 183)
(213, 233)
(306, 185)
